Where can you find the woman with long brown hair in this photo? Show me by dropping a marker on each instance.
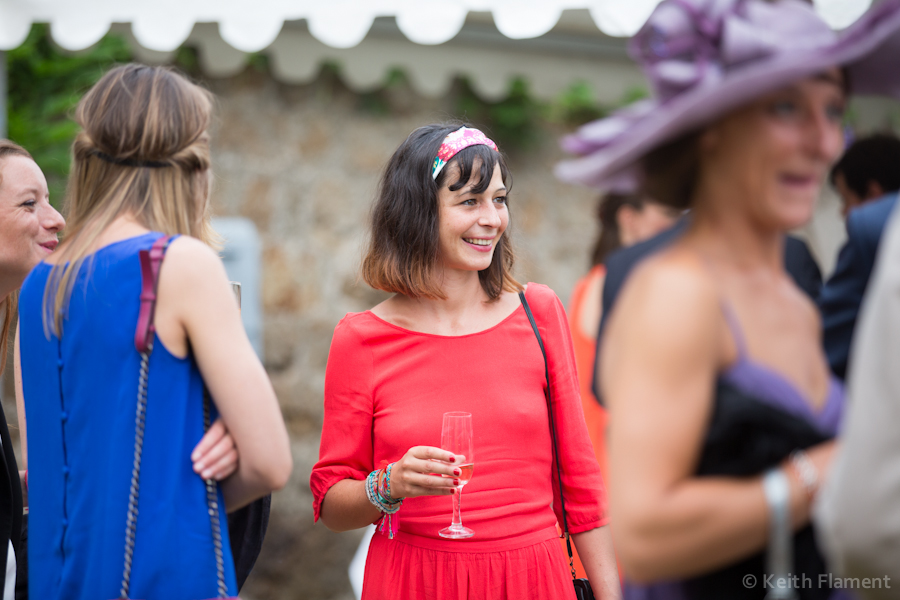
(97, 459)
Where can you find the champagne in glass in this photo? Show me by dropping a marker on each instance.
(456, 437)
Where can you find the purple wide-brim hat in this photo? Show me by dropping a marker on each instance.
(705, 58)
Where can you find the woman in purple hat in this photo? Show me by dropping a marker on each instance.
(722, 407)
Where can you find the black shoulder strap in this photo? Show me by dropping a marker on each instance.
(562, 500)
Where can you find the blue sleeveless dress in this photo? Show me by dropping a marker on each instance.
(80, 400)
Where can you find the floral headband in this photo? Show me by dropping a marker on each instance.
(456, 141)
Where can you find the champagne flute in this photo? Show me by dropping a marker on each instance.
(236, 289)
(456, 437)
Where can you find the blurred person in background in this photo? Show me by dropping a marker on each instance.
(867, 178)
(722, 406)
(140, 172)
(624, 219)
(858, 517)
(867, 171)
(455, 337)
(29, 231)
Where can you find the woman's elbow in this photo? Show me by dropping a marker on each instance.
(638, 554)
(273, 471)
(334, 524)
(635, 563)
(641, 566)
(639, 572)
(332, 516)
(280, 470)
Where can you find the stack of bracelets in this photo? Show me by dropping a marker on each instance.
(378, 491)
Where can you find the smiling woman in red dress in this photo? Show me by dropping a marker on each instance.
(454, 337)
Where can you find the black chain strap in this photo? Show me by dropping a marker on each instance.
(131, 521)
(212, 496)
(212, 500)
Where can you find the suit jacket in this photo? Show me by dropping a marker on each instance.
(858, 512)
(798, 262)
(10, 501)
(842, 295)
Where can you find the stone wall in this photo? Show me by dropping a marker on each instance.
(303, 162)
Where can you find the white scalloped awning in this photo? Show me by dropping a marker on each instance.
(252, 25)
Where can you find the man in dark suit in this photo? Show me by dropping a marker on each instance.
(842, 295)
(798, 261)
(867, 178)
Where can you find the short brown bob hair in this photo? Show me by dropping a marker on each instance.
(403, 255)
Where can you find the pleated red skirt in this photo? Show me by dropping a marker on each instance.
(395, 570)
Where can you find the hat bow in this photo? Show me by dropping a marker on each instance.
(690, 43)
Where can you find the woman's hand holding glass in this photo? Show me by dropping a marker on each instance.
(420, 471)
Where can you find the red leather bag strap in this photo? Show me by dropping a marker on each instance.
(151, 261)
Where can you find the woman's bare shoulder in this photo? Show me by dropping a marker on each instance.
(674, 275)
(188, 257)
(664, 330)
(670, 296)
(192, 266)
(190, 247)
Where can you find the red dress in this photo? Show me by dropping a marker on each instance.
(386, 390)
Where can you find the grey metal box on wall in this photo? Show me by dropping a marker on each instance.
(242, 255)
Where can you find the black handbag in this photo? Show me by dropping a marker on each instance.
(583, 589)
(246, 532)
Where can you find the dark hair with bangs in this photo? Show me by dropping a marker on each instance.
(403, 255)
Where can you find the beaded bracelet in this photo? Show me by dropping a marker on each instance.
(378, 491)
(806, 472)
